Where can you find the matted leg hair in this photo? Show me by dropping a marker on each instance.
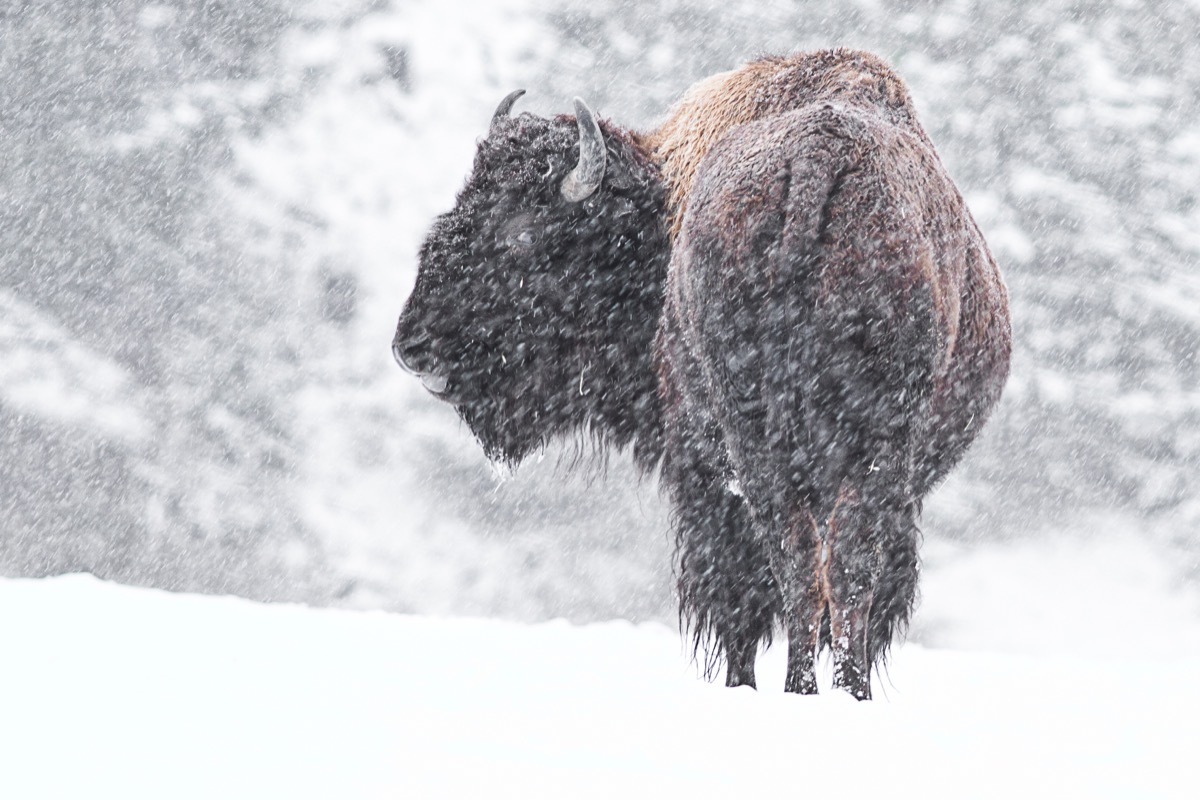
(728, 598)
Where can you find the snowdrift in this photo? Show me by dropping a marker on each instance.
(110, 691)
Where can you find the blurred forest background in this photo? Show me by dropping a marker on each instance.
(209, 218)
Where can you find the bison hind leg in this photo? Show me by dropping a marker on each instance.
(895, 590)
(794, 564)
(871, 583)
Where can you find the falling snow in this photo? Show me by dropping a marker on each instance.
(211, 214)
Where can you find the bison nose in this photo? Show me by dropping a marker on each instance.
(405, 351)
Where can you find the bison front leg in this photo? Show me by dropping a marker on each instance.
(728, 598)
(727, 593)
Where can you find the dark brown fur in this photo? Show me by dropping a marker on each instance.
(765, 88)
(829, 335)
(836, 332)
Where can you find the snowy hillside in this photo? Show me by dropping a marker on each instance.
(209, 220)
(114, 692)
(44, 373)
(1069, 141)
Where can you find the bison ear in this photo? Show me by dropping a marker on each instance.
(585, 179)
(505, 107)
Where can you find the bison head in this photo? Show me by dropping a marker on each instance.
(537, 296)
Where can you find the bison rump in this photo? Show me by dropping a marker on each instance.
(811, 312)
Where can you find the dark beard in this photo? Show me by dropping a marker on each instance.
(507, 435)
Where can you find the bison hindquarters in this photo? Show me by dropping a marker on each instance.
(811, 306)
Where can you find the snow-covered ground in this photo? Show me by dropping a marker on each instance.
(1057, 665)
(117, 692)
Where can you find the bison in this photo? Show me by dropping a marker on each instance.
(778, 298)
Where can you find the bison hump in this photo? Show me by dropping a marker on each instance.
(762, 89)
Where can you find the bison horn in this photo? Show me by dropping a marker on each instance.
(506, 105)
(586, 177)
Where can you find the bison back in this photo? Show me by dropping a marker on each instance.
(837, 306)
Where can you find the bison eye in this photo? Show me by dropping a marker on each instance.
(523, 238)
(520, 231)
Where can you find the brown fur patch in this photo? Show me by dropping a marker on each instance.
(760, 89)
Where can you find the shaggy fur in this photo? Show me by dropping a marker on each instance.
(765, 88)
(828, 337)
(538, 313)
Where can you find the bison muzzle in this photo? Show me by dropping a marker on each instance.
(778, 298)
